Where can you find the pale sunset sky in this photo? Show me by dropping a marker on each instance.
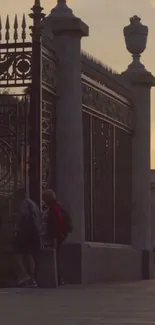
(106, 19)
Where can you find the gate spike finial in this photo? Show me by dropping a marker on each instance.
(16, 22)
(16, 28)
(37, 15)
(23, 28)
(7, 27)
(24, 22)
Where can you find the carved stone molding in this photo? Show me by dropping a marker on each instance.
(102, 103)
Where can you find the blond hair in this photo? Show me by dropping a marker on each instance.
(49, 195)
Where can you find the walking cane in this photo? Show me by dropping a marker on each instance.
(55, 262)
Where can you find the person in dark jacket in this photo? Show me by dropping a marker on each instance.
(56, 225)
(27, 238)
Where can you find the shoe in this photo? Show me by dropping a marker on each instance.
(32, 284)
(61, 282)
(23, 281)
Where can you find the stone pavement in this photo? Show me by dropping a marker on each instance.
(114, 304)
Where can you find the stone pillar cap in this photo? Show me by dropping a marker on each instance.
(143, 77)
(62, 20)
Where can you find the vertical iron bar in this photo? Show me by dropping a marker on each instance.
(17, 145)
(7, 38)
(15, 36)
(0, 36)
(35, 126)
(35, 170)
(91, 178)
(114, 185)
(25, 142)
(23, 42)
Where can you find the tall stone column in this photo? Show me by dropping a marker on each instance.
(141, 186)
(141, 82)
(68, 31)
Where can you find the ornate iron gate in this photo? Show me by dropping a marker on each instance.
(15, 74)
(27, 110)
(48, 123)
(13, 148)
(49, 97)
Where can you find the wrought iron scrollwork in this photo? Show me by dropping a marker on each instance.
(49, 71)
(15, 67)
(46, 177)
(47, 157)
(7, 163)
(13, 143)
(102, 103)
(46, 144)
(22, 66)
(26, 127)
(15, 57)
(5, 63)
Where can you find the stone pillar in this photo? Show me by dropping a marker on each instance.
(68, 31)
(141, 82)
(141, 191)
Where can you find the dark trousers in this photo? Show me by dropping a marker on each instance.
(28, 257)
(57, 245)
(58, 250)
(28, 265)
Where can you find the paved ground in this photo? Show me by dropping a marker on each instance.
(132, 303)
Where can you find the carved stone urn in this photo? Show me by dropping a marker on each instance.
(135, 36)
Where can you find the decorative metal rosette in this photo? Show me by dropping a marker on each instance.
(22, 65)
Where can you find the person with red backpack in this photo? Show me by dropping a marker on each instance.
(59, 224)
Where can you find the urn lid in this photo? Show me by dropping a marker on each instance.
(135, 20)
(62, 10)
(135, 27)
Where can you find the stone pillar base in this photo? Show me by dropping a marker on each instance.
(95, 262)
(148, 265)
(71, 263)
(47, 276)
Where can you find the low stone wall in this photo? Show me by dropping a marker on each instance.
(114, 263)
(95, 262)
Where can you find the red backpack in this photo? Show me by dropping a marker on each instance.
(59, 221)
